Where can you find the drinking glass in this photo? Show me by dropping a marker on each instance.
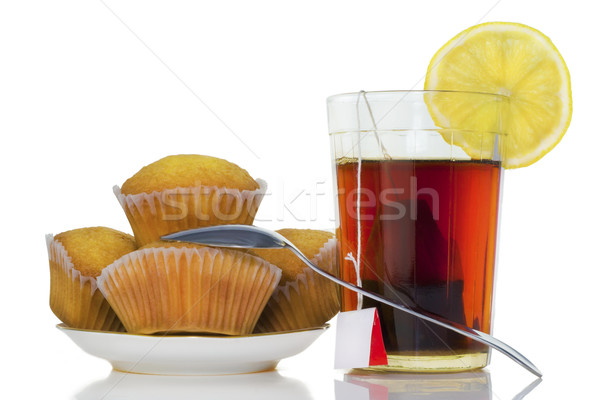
(418, 184)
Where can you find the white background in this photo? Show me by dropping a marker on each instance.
(92, 91)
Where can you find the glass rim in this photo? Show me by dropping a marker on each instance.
(419, 131)
(352, 95)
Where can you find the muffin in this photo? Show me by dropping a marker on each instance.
(77, 258)
(303, 299)
(168, 287)
(183, 192)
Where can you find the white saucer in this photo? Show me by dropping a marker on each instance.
(192, 355)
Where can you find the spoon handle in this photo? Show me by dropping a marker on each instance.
(474, 334)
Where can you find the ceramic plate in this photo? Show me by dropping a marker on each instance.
(192, 355)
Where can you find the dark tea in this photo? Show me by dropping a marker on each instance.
(426, 234)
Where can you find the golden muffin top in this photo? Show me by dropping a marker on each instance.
(308, 241)
(187, 170)
(92, 249)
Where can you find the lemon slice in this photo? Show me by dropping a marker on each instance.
(508, 59)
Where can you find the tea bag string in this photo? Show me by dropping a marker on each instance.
(384, 151)
(356, 261)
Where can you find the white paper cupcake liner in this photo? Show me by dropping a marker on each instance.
(152, 215)
(189, 289)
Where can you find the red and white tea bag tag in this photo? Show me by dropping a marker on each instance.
(359, 342)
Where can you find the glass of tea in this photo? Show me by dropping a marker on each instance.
(418, 199)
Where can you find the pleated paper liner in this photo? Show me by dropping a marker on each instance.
(189, 289)
(152, 215)
(309, 301)
(74, 298)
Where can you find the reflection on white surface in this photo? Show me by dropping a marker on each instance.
(476, 385)
(263, 386)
